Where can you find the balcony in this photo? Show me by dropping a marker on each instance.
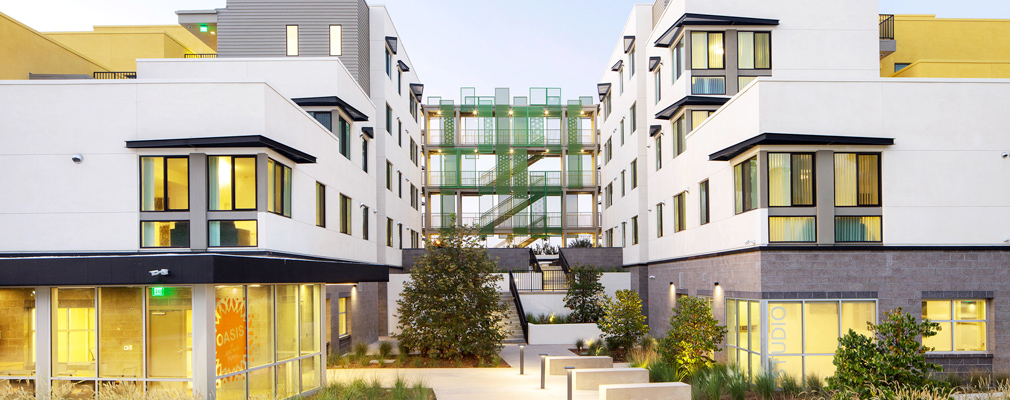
(581, 220)
(116, 75)
(200, 55)
(887, 43)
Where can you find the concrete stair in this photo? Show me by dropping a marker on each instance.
(511, 322)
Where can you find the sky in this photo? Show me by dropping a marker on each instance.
(464, 43)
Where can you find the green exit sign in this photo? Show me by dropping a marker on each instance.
(159, 291)
(203, 28)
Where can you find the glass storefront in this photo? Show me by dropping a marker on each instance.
(800, 336)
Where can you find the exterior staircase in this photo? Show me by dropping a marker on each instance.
(511, 322)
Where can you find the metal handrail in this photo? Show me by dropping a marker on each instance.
(519, 308)
(200, 55)
(887, 26)
(115, 75)
(534, 264)
(564, 262)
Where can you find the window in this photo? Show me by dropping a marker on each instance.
(399, 236)
(679, 212)
(325, 118)
(320, 204)
(659, 220)
(858, 229)
(164, 234)
(634, 174)
(754, 50)
(413, 151)
(634, 119)
(399, 82)
(634, 230)
(364, 154)
(857, 179)
(345, 138)
(610, 237)
(608, 195)
(699, 116)
(389, 176)
(802, 336)
(703, 200)
(389, 232)
(678, 137)
(606, 107)
(413, 196)
(743, 81)
(335, 40)
(399, 184)
(292, 42)
(75, 323)
(364, 222)
(620, 80)
(345, 214)
(707, 50)
(389, 119)
(900, 66)
(962, 324)
(608, 151)
(745, 185)
(344, 327)
(792, 229)
(790, 179)
(164, 183)
(624, 234)
(413, 107)
(232, 234)
(623, 184)
(399, 133)
(631, 62)
(708, 85)
(232, 182)
(659, 153)
(621, 131)
(659, 87)
(678, 60)
(389, 63)
(278, 188)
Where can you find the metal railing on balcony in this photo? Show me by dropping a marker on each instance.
(581, 179)
(435, 137)
(116, 75)
(580, 219)
(886, 27)
(544, 281)
(200, 55)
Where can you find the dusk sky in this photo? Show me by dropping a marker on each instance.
(457, 43)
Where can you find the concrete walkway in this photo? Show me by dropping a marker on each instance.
(482, 383)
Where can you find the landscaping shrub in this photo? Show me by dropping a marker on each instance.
(895, 358)
(580, 344)
(450, 307)
(814, 384)
(660, 371)
(361, 353)
(623, 324)
(385, 350)
(764, 385)
(790, 385)
(736, 383)
(585, 295)
(582, 242)
(693, 335)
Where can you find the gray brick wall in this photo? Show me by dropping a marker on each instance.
(601, 257)
(507, 259)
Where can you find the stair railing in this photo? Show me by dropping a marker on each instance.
(519, 307)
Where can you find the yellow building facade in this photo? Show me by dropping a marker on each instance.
(25, 51)
(930, 47)
(119, 47)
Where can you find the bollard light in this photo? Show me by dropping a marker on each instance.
(522, 358)
(543, 365)
(569, 371)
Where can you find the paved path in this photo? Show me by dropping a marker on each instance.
(482, 383)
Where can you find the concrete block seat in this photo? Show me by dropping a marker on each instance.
(592, 378)
(646, 391)
(556, 364)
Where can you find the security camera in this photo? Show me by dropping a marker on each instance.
(1006, 154)
(361, 134)
(77, 158)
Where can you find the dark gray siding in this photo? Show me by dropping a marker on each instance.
(257, 28)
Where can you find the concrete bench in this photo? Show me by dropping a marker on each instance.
(556, 365)
(646, 391)
(591, 379)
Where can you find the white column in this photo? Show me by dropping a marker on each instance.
(43, 340)
(321, 321)
(204, 346)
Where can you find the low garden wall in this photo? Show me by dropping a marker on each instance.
(562, 333)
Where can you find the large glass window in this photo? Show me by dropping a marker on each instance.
(792, 229)
(287, 322)
(335, 38)
(164, 234)
(309, 309)
(703, 200)
(679, 212)
(232, 234)
(754, 50)
(699, 116)
(17, 317)
(232, 182)
(790, 179)
(745, 185)
(858, 229)
(708, 85)
(261, 325)
(743, 318)
(120, 332)
(857, 179)
(707, 50)
(803, 335)
(678, 60)
(75, 339)
(345, 214)
(164, 183)
(278, 188)
(292, 40)
(230, 329)
(320, 204)
(962, 324)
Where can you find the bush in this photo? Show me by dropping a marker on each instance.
(623, 323)
(450, 306)
(585, 294)
(895, 358)
(814, 384)
(385, 349)
(790, 385)
(694, 334)
(764, 385)
(660, 371)
(583, 242)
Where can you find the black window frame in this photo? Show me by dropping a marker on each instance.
(754, 46)
(880, 179)
(708, 60)
(746, 198)
(659, 152)
(634, 174)
(389, 63)
(813, 176)
(329, 124)
(769, 224)
(634, 230)
(364, 222)
(389, 232)
(256, 221)
(164, 185)
(389, 119)
(278, 203)
(389, 176)
(679, 212)
(364, 153)
(320, 204)
(345, 136)
(189, 242)
(704, 198)
(346, 215)
(835, 228)
(233, 185)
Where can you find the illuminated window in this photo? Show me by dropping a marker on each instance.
(164, 234)
(18, 309)
(790, 179)
(707, 50)
(345, 214)
(743, 81)
(962, 324)
(344, 328)
(76, 339)
(802, 336)
(320, 204)
(699, 116)
(857, 179)
(792, 229)
(232, 182)
(335, 33)
(278, 188)
(292, 40)
(232, 234)
(754, 50)
(164, 183)
(745, 185)
(169, 332)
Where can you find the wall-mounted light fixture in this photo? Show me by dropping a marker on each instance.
(716, 284)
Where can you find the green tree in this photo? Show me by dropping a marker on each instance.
(585, 295)
(450, 307)
(892, 357)
(693, 336)
(623, 324)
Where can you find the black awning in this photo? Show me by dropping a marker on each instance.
(332, 101)
(709, 19)
(666, 39)
(654, 130)
(653, 63)
(629, 41)
(368, 131)
(603, 88)
(225, 141)
(795, 139)
(417, 89)
(617, 67)
(668, 112)
(403, 67)
(391, 42)
(183, 269)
